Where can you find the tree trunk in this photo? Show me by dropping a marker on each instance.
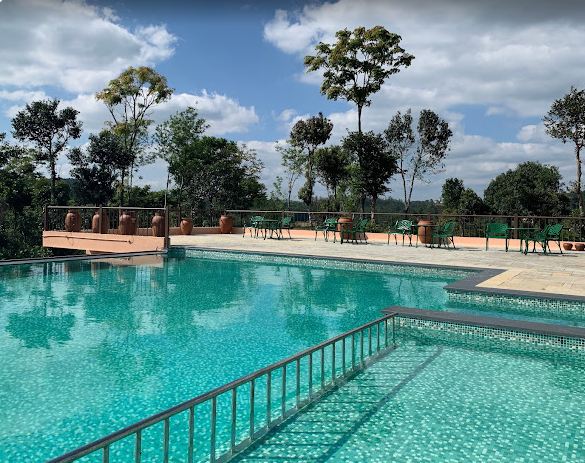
(578, 186)
(53, 176)
(362, 203)
(359, 119)
(122, 177)
(373, 208)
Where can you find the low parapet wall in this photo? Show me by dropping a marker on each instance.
(97, 242)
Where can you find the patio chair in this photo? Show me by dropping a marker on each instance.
(401, 227)
(544, 237)
(286, 224)
(357, 232)
(497, 230)
(329, 225)
(445, 233)
(255, 224)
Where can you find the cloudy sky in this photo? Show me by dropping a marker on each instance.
(491, 69)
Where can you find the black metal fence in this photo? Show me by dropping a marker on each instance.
(468, 225)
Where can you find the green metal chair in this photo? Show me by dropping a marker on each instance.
(286, 224)
(329, 225)
(357, 232)
(255, 224)
(544, 237)
(445, 233)
(401, 227)
(497, 230)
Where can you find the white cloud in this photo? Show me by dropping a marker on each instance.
(72, 45)
(461, 57)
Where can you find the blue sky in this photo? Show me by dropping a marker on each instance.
(491, 70)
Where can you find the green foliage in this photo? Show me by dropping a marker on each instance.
(530, 189)
(217, 174)
(175, 139)
(421, 155)
(130, 98)
(308, 135)
(20, 214)
(375, 164)
(49, 130)
(566, 121)
(451, 194)
(332, 165)
(470, 203)
(293, 161)
(356, 66)
(95, 169)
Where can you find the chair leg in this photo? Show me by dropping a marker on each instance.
(486, 243)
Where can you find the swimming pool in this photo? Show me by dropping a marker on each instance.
(446, 399)
(91, 346)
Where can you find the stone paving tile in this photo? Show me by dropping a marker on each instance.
(551, 273)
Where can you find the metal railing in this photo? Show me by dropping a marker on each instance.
(137, 221)
(264, 399)
(468, 225)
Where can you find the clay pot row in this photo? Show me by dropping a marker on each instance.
(127, 223)
(578, 246)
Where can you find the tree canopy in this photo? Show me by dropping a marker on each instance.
(129, 99)
(566, 121)
(419, 156)
(356, 66)
(531, 188)
(49, 130)
(307, 135)
(333, 168)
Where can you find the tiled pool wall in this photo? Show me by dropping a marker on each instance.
(522, 304)
(468, 335)
(326, 263)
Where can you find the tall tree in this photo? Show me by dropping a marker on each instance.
(217, 174)
(356, 66)
(566, 121)
(530, 189)
(49, 130)
(130, 98)
(332, 165)
(375, 164)
(95, 169)
(308, 135)
(421, 155)
(452, 190)
(293, 160)
(175, 137)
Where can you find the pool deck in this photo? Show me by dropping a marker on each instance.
(547, 274)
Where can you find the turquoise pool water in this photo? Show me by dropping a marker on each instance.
(434, 402)
(92, 346)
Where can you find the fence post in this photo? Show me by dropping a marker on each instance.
(515, 225)
(45, 218)
(167, 228)
(101, 212)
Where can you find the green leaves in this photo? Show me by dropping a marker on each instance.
(356, 66)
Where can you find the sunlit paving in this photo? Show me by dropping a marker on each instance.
(309, 231)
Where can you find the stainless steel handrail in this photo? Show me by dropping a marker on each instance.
(358, 361)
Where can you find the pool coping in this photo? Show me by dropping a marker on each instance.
(42, 260)
(468, 284)
(488, 322)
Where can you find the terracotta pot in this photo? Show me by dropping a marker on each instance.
(567, 246)
(158, 224)
(186, 226)
(127, 224)
(72, 221)
(425, 233)
(344, 223)
(95, 223)
(226, 224)
(579, 246)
